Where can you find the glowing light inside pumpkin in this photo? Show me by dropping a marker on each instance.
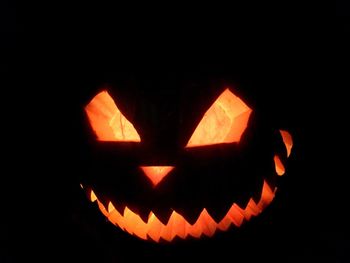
(93, 196)
(224, 122)
(279, 166)
(177, 225)
(287, 140)
(108, 122)
(156, 173)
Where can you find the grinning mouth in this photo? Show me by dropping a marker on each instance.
(177, 225)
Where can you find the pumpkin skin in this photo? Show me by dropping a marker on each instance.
(207, 188)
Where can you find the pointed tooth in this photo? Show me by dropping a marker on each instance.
(207, 222)
(267, 195)
(236, 214)
(141, 228)
(248, 211)
(252, 208)
(172, 223)
(179, 225)
(242, 202)
(224, 223)
(154, 227)
(116, 218)
(93, 197)
(129, 222)
(110, 207)
(102, 208)
(194, 230)
(103, 201)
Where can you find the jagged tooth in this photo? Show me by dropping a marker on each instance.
(242, 212)
(207, 222)
(179, 225)
(141, 228)
(267, 195)
(176, 226)
(93, 197)
(103, 201)
(194, 230)
(116, 218)
(172, 223)
(129, 224)
(242, 203)
(236, 215)
(252, 208)
(267, 188)
(102, 208)
(154, 227)
(247, 215)
(134, 224)
(110, 207)
(225, 223)
(166, 232)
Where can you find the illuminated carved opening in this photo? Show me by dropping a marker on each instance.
(287, 140)
(224, 122)
(108, 122)
(93, 196)
(279, 166)
(156, 173)
(177, 225)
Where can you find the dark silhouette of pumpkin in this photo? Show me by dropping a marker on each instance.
(202, 170)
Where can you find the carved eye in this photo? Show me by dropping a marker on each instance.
(107, 121)
(224, 122)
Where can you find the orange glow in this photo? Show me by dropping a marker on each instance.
(156, 173)
(224, 122)
(279, 166)
(178, 226)
(92, 196)
(287, 140)
(108, 122)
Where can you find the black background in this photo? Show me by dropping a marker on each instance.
(291, 65)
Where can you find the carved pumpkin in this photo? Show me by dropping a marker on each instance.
(220, 172)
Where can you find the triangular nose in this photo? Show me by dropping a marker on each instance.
(156, 173)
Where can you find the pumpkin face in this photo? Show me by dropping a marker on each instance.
(217, 174)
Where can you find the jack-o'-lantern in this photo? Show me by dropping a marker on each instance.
(219, 173)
